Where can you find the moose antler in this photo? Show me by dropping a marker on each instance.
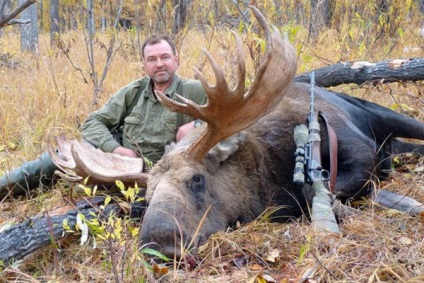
(231, 110)
(78, 160)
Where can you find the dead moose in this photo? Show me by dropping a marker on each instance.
(242, 163)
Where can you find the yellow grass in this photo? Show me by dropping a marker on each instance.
(44, 95)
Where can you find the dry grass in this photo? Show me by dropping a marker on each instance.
(44, 95)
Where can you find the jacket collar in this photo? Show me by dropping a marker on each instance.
(148, 91)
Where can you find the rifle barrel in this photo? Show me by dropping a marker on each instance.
(312, 93)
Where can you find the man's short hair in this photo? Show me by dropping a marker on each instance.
(155, 39)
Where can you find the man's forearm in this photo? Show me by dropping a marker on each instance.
(98, 134)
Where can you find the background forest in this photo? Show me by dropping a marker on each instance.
(74, 54)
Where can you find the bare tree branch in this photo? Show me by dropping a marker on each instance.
(18, 22)
(6, 20)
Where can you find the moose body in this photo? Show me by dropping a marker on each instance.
(253, 170)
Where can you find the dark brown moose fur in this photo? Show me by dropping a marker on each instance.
(253, 170)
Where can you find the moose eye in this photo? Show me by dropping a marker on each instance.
(197, 182)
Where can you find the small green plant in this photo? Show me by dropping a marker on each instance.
(304, 249)
(113, 232)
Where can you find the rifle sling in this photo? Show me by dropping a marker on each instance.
(332, 141)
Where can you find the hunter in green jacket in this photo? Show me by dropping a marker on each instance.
(135, 119)
(132, 123)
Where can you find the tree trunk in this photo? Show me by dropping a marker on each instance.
(90, 41)
(103, 15)
(360, 72)
(41, 14)
(138, 7)
(420, 4)
(217, 17)
(90, 18)
(278, 12)
(160, 25)
(54, 22)
(29, 32)
(320, 17)
(4, 9)
(300, 11)
(180, 17)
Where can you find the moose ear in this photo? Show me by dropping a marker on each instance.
(223, 150)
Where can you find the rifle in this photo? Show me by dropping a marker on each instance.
(308, 146)
(308, 156)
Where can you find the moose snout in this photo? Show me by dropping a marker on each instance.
(159, 233)
(163, 233)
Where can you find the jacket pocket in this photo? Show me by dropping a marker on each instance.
(132, 120)
(132, 128)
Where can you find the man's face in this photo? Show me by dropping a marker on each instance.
(160, 63)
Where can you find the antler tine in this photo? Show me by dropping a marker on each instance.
(269, 47)
(106, 168)
(186, 106)
(64, 162)
(190, 108)
(59, 162)
(221, 85)
(240, 87)
(268, 88)
(62, 157)
(69, 176)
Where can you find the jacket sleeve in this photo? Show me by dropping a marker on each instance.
(98, 127)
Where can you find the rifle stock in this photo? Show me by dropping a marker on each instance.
(323, 218)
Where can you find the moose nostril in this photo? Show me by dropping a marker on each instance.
(191, 260)
(198, 241)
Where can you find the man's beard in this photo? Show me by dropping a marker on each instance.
(163, 77)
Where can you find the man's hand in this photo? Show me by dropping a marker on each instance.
(184, 129)
(125, 151)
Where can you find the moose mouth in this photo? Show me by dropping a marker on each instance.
(183, 249)
(162, 233)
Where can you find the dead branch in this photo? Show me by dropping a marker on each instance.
(37, 232)
(6, 20)
(361, 72)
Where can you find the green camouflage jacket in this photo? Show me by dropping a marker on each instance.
(140, 120)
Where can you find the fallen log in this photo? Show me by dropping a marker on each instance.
(37, 232)
(361, 72)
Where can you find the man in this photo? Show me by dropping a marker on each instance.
(132, 123)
